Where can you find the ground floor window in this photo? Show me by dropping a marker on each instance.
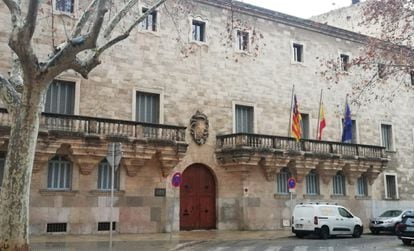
(59, 173)
(338, 183)
(282, 181)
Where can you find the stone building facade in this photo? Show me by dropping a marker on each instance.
(209, 96)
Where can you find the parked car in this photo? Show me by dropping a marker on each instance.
(387, 221)
(325, 220)
(405, 229)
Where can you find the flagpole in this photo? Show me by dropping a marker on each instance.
(319, 116)
(290, 111)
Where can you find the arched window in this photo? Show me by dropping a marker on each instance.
(282, 181)
(312, 183)
(59, 173)
(339, 184)
(105, 176)
(362, 186)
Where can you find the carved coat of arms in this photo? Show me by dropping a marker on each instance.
(199, 128)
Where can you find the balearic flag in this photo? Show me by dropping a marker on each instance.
(296, 119)
(322, 122)
(347, 130)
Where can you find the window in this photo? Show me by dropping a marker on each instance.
(282, 181)
(56, 227)
(362, 186)
(344, 213)
(391, 191)
(106, 225)
(150, 22)
(105, 176)
(60, 97)
(67, 6)
(386, 137)
(381, 70)
(344, 62)
(2, 162)
(147, 107)
(198, 31)
(59, 173)
(312, 183)
(244, 119)
(338, 184)
(304, 124)
(297, 52)
(242, 42)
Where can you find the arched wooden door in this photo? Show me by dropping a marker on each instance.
(197, 199)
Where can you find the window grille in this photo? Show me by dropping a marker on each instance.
(339, 184)
(105, 176)
(282, 181)
(312, 183)
(56, 227)
(362, 187)
(59, 173)
(105, 226)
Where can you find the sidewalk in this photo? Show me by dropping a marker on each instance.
(152, 242)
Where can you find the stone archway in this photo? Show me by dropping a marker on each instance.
(198, 198)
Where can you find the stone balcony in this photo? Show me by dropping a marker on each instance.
(84, 140)
(241, 152)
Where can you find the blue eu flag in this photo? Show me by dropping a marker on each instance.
(347, 131)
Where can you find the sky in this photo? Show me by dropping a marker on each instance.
(300, 8)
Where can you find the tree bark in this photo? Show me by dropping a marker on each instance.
(15, 191)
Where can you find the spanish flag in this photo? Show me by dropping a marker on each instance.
(322, 121)
(296, 120)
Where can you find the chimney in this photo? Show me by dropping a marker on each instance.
(355, 1)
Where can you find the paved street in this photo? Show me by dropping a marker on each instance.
(220, 241)
(365, 243)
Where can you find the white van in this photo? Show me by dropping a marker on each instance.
(325, 220)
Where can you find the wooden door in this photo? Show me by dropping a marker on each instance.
(197, 199)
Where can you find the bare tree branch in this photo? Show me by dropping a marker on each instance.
(31, 18)
(14, 9)
(118, 17)
(83, 67)
(83, 19)
(97, 24)
(128, 31)
(8, 94)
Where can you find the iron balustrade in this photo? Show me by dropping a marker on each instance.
(103, 127)
(269, 142)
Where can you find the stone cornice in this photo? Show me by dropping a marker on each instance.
(289, 20)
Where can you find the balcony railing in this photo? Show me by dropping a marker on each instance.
(104, 127)
(268, 142)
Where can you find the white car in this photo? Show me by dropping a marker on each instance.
(325, 220)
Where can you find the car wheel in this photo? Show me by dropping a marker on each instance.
(373, 231)
(324, 232)
(406, 242)
(300, 235)
(357, 232)
(395, 229)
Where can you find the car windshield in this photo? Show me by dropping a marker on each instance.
(391, 213)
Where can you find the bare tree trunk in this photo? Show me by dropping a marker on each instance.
(15, 191)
